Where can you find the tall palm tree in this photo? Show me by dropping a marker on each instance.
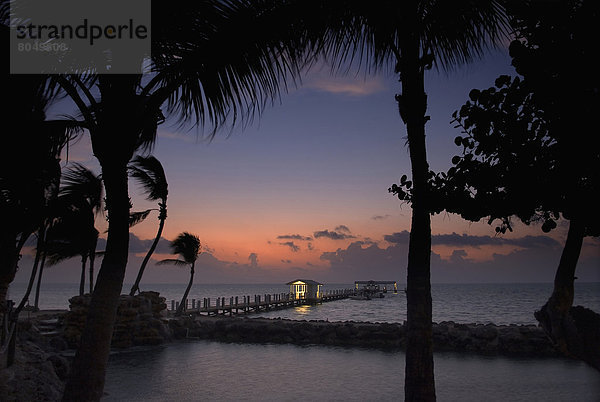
(188, 247)
(150, 173)
(412, 36)
(198, 81)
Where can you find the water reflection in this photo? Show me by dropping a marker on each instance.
(201, 370)
(302, 311)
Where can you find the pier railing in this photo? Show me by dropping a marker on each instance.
(247, 304)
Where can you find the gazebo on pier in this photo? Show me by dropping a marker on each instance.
(305, 289)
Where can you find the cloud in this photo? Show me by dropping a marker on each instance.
(347, 85)
(294, 237)
(310, 246)
(465, 240)
(535, 264)
(458, 255)
(455, 239)
(291, 245)
(137, 245)
(397, 238)
(286, 261)
(381, 217)
(333, 235)
(253, 259)
(342, 228)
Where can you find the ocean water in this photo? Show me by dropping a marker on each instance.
(464, 303)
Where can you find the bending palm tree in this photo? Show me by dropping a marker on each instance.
(188, 247)
(150, 173)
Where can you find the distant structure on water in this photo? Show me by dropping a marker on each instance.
(372, 287)
(305, 289)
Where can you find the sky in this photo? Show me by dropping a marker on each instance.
(301, 192)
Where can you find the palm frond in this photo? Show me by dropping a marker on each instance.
(172, 261)
(187, 246)
(458, 32)
(80, 182)
(200, 81)
(371, 35)
(139, 216)
(149, 172)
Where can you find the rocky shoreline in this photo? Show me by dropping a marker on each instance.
(142, 320)
(501, 340)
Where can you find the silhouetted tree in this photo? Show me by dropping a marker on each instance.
(69, 238)
(211, 61)
(25, 182)
(28, 188)
(73, 232)
(413, 36)
(151, 175)
(527, 147)
(188, 247)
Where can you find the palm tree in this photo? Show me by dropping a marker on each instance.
(413, 36)
(188, 247)
(27, 189)
(69, 239)
(71, 231)
(27, 193)
(198, 82)
(83, 191)
(150, 173)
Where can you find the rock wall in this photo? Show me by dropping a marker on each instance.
(140, 320)
(516, 340)
(39, 371)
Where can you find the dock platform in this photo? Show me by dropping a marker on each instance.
(258, 303)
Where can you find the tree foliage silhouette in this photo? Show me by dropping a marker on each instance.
(527, 150)
(81, 199)
(150, 174)
(188, 247)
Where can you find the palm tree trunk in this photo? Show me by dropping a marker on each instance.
(86, 381)
(187, 291)
(39, 282)
(136, 285)
(554, 315)
(9, 258)
(39, 250)
(92, 258)
(419, 374)
(82, 278)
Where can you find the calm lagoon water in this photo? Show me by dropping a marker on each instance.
(211, 371)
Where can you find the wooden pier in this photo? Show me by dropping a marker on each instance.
(258, 303)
